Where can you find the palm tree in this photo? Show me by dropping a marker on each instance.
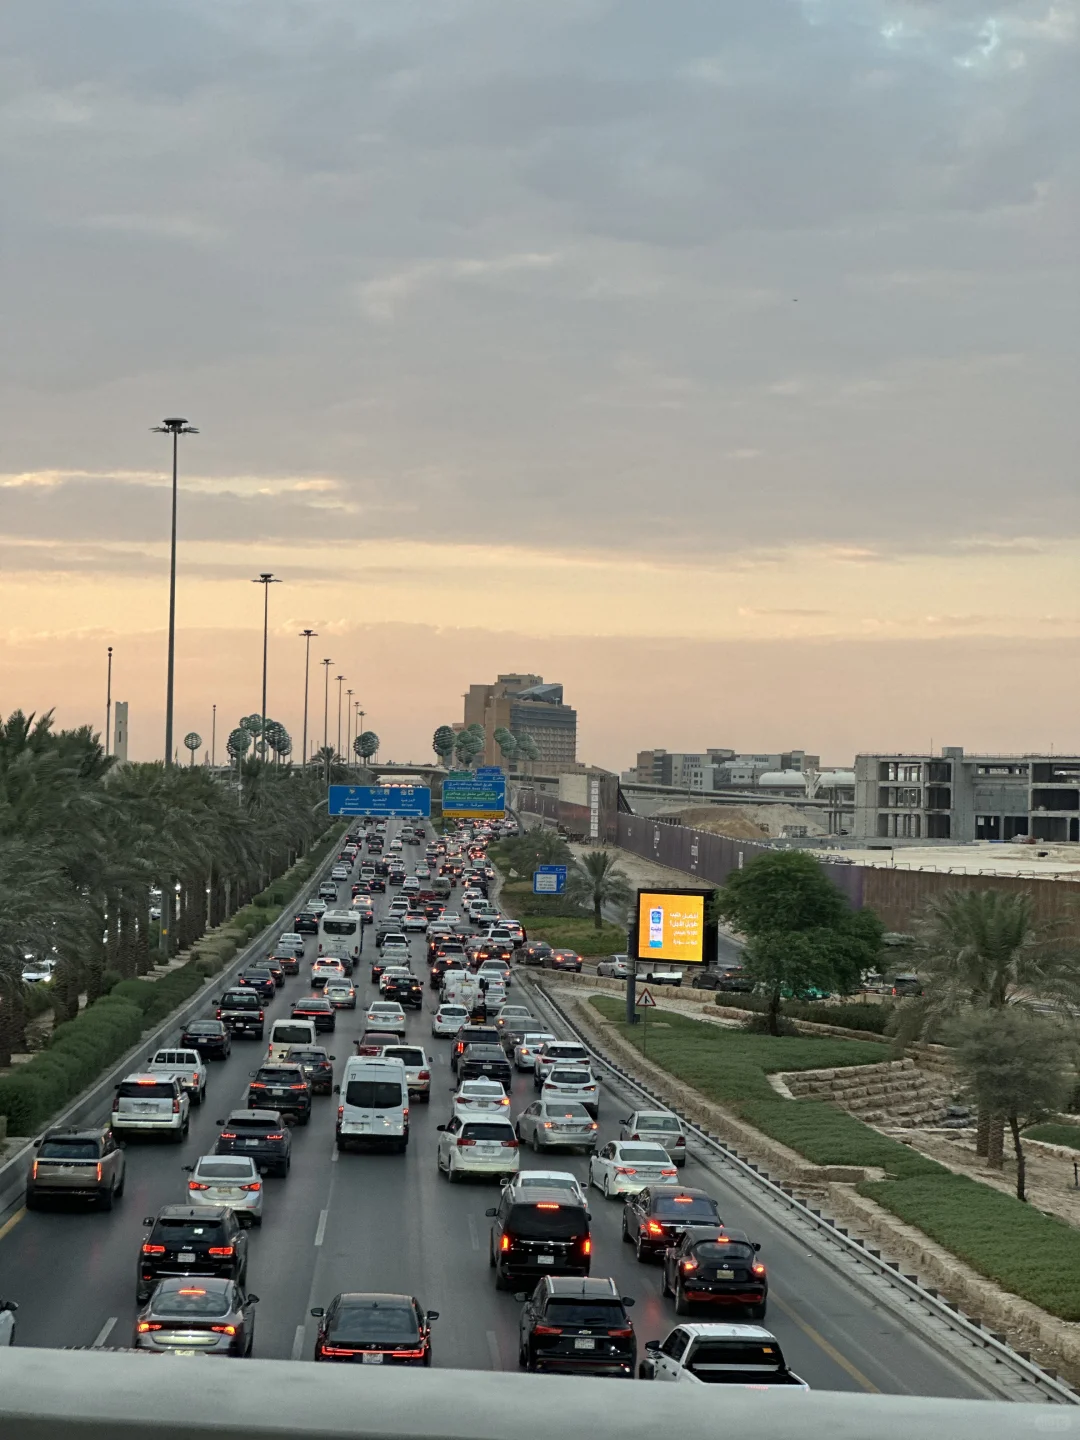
(442, 743)
(596, 880)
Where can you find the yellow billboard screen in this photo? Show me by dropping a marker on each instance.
(671, 926)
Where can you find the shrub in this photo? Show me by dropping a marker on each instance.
(1055, 1134)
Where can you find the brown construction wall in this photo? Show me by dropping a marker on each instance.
(900, 896)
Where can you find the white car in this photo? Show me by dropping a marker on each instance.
(291, 944)
(231, 1180)
(7, 1322)
(339, 872)
(495, 970)
(186, 1066)
(325, 970)
(659, 1126)
(448, 1020)
(520, 1184)
(144, 1102)
(422, 872)
(396, 952)
(624, 1167)
(38, 972)
(480, 1097)
(572, 1082)
(477, 1147)
(525, 1049)
(450, 917)
(711, 1354)
(410, 885)
(394, 847)
(316, 906)
(550, 1051)
(386, 1015)
(615, 968)
(548, 1123)
(415, 922)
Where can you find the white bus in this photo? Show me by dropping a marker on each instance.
(339, 936)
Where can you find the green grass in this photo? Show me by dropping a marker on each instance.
(1013, 1244)
(571, 933)
(1055, 1134)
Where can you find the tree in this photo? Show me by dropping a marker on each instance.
(596, 880)
(1015, 1062)
(527, 747)
(468, 744)
(801, 932)
(506, 743)
(442, 742)
(367, 744)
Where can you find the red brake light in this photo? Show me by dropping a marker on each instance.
(504, 1243)
(153, 1249)
(586, 1246)
(145, 1325)
(255, 1185)
(510, 1145)
(33, 1173)
(219, 1014)
(547, 1329)
(223, 1329)
(625, 1170)
(221, 1250)
(546, 1205)
(688, 1266)
(635, 1137)
(256, 1085)
(197, 1185)
(655, 1228)
(621, 1334)
(672, 1171)
(463, 1141)
(758, 1269)
(228, 1134)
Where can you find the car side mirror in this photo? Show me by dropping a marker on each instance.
(626, 1121)
(149, 1220)
(9, 1305)
(521, 1295)
(188, 1168)
(440, 1127)
(432, 1315)
(647, 1370)
(757, 1245)
(318, 1311)
(253, 1073)
(331, 1057)
(652, 1345)
(38, 1142)
(253, 1300)
(627, 1300)
(588, 1214)
(219, 1122)
(491, 1214)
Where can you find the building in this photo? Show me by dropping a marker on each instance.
(525, 705)
(714, 768)
(120, 732)
(958, 797)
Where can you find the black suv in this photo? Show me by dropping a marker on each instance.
(656, 1217)
(471, 1035)
(305, 923)
(485, 1061)
(209, 1037)
(318, 1067)
(406, 990)
(260, 1134)
(578, 1327)
(716, 1270)
(191, 1240)
(285, 1087)
(546, 1234)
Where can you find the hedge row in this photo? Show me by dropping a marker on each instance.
(871, 1018)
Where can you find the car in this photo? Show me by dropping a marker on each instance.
(551, 1051)
(393, 972)
(291, 942)
(396, 951)
(422, 872)
(323, 971)
(657, 1125)
(261, 981)
(623, 1166)
(340, 872)
(373, 1109)
(577, 1327)
(328, 891)
(341, 994)
(288, 960)
(564, 1082)
(405, 989)
(656, 1218)
(77, 1163)
(284, 1087)
(319, 906)
(526, 1180)
(231, 1180)
(535, 952)
(8, 1309)
(415, 922)
(317, 1009)
(388, 930)
(241, 1010)
(317, 1065)
(374, 1329)
(549, 1123)
(728, 978)
(386, 1015)
(568, 960)
(273, 967)
(716, 1268)
(471, 1035)
(306, 923)
(448, 1019)
(480, 1097)
(150, 1104)
(476, 1147)
(538, 1230)
(190, 1240)
(478, 1060)
(38, 971)
(262, 1134)
(377, 884)
(615, 967)
(451, 917)
(197, 1315)
(719, 1354)
(526, 1047)
(496, 971)
(417, 1069)
(374, 1042)
(511, 1013)
(183, 1065)
(209, 1037)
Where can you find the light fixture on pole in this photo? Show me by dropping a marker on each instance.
(176, 426)
(108, 702)
(306, 636)
(265, 580)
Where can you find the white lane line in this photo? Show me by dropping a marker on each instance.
(298, 1343)
(104, 1333)
(321, 1231)
(473, 1236)
(493, 1350)
(334, 1156)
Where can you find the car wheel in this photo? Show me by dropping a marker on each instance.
(256, 1220)
(607, 1187)
(107, 1197)
(535, 1143)
(641, 1254)
(198, 1097)
(757, 1312)
(32, 1201)
(628, 1239)
(120, 1188)
(665, 1288)
(682, 1305)
(523, 1357)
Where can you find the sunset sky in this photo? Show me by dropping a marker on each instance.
(717, 359)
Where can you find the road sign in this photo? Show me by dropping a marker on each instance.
(549, 879)
(387, 800)
(482, 797)
(489, 770)
(646, 1001)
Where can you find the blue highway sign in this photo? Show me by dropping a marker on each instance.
(389, 800)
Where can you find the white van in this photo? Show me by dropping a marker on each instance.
(374, 1103)
(284, 1034)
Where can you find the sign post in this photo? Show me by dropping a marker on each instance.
(645, 1004)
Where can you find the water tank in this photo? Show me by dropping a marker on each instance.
(782, 780)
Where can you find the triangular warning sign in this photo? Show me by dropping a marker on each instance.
(646, 1000)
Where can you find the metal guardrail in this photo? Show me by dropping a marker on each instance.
(1054, 1389)
(116, 1395)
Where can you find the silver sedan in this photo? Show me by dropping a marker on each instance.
(557, 1124)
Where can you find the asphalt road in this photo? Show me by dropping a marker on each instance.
(389, 1222)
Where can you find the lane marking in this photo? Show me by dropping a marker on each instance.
(493, 1350)
(104, 1333)
(334, 1156)
(830, 1350)
(298, 1343)
(473, 1236)
(321, 1231)
(9, 1225)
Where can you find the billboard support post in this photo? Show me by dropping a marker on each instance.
(631, 974)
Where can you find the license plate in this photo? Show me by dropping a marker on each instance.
(146, 1109)
(584, 1344)
(725, 1274)
(373, 1358)
(249, 1142)
(186, 1257)
(545, 1259)
(279, 1092)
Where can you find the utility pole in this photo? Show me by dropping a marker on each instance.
(340, 679)
(306, 636)
(108, 702)
(176, 426)
(213, 739)
(326, 717)
(265, 580)
(348, 728)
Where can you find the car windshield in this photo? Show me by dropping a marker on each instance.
(570, 1077)
(658, 1122)
(650, 1154)
(484, 1052)
(411, 1055)
(314, 1006)
(279, 1075)
(547, 1220)
(249, 1122)
(490, 1130)
(567, 1110)
(192, 1300)
(538, 1178)
(309, 1057)
(685, 1207)
(374, 1322)
(710, 1252)
(225, 1169)
(585, 1312)
(188, 1232)
(558, 1052)
(203, 1027)
(68, 1150)
(287, 1034)
(721, 1360)
(146, 1090)
(241, 1000)
(373, 1094)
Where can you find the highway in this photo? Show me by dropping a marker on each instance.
(389, 1222)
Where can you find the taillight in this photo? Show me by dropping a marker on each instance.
(672, 1171)
(586, 1245)
(116, 1102)
(504, 1243)
(228, 1135)
(221, 1250)
(509, 1144)
(260, 1014)
(218, 1014)
(547, 1329)
(340, 1111)
(621, 1334)
(297, 1087)
(424, 1075)
(153, 1249)
(278, 1135)
(625, 1170)
(688, 1266)
(223, 1329)
(255, 1185)
(680, 1140)
(758, 1269)
(33, 1173)
(635, 1137)
(145, 1325)
(176, 1105)
(197, 1185)
(256, 1085)
(463, 1142)
(655, 1228)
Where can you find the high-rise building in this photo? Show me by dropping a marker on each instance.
(120, 731)
(524, 704)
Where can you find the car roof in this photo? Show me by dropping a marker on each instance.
(571, 1286)
(76, 1132)
(667, 1114)
(193, 1212)
(667, 1191)
(375, 1297)
(214, 1284)
(549, 1194)
(272, 1116)
(718, 1330)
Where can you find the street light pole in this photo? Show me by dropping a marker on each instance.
(265, 580)
(108, 702)
(306, 636)
(348, 728)
(340, 680)
(213, 739)
(176, 426)
(326, 716)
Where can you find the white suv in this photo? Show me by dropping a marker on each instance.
(154, 1103)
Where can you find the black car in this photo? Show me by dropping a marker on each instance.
(716, 1269)
(535, 952)
(262, 1134)
(261, 981)
(191, 1240)
(285, 1087)
(485, 1061)
(546, 1234)
(729, 979)
(357, 1328)
(273, 967)
(200, 1314)
(316, 1008)
(305, 923)
(471, 1035)
(406, 990)
(209, 1037)
(577, 1327)
(241, 1011)
(318, 1066)
(289, 962)
(656, 1217)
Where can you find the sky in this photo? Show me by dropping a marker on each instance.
(715, 359)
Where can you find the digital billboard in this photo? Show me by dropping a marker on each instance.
(671, 926)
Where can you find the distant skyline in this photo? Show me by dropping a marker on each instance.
(715, 359)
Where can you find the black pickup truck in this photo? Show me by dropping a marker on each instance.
(242, 1011)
